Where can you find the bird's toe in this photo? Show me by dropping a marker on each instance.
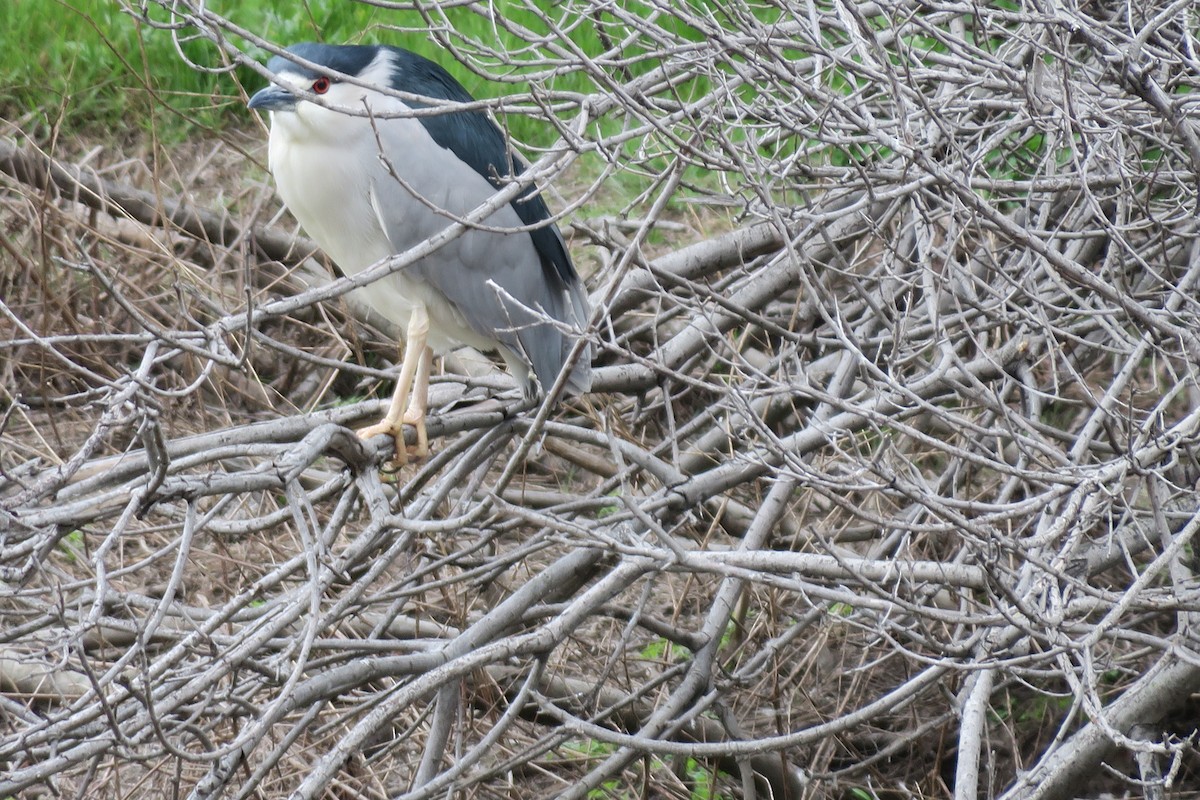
(402, 453)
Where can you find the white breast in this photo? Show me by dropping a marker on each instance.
(329, 186)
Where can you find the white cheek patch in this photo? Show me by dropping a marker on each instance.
(322, 118)
(291, 81)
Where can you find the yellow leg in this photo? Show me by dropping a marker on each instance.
(419, 402)
(414, 362)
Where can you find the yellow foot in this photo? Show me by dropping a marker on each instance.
(402, 452)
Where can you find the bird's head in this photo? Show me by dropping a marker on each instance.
(295, 85)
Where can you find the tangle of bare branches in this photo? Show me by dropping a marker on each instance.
(887, 481)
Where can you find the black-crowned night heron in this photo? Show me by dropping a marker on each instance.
(372, 183)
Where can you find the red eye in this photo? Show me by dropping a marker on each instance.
(321, 85)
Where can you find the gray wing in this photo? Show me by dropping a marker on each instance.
(494, 282)
(474, 139)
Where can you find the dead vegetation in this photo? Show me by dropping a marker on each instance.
(889, 490)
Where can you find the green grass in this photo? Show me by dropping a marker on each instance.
(699, 775)
(72, 546)
(86, 66)
(103, 73)
(97, 69)
(660, 650)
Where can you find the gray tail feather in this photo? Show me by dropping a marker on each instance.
(580, 379)
(547, 347)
